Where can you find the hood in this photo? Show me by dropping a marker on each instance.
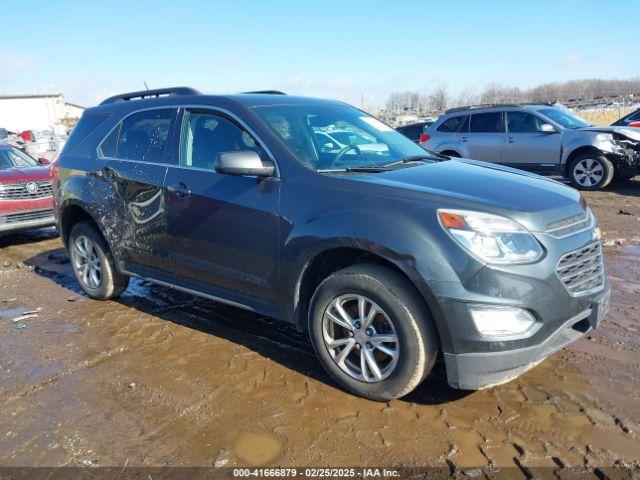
(26, 174)
(630, 132)
(530, 199)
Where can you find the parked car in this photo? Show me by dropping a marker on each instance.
(538, 138)
(25, 192)
(414, 131)
(631, 120)
(386, 256)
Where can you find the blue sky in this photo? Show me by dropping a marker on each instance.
(339, 49)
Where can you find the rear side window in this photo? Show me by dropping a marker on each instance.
(87, 124)
(635, 116)
(142, 136)
(450, 125)
(486, 122)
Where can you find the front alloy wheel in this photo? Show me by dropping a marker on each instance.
(360, 338)
(372, 331)
(590, 171)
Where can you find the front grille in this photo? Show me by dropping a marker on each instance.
(25, 190)
(582, 270)
(569, 225)
(28, 216)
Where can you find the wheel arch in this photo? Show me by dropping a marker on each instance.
(451, 153)
(71, 215)
(330, 260)
(579, 151)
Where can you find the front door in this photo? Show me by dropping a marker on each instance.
(134, 158)
(223, 228)
(526, 145)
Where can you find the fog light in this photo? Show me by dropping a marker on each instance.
(499, 321)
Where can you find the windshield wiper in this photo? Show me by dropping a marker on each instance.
(379, 168)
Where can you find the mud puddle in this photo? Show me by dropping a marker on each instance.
(160, 377)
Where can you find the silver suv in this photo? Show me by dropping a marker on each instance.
(540, 138)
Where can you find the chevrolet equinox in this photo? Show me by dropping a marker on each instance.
(387, 254)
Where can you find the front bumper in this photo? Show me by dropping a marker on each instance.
(17, 222)
(476, 370)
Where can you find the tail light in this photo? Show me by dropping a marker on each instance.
(424, 137)
(53, 170)
(27, 136)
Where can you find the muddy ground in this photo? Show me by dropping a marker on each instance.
(162, 378)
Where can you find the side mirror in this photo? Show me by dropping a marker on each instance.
(44, 161)
(547, 128)
(244, 162)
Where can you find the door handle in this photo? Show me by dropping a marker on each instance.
(510, 140)
(464, 139)
(180, 190)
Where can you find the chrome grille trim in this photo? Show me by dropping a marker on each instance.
(18, 191)
(582, 271)
(570, 225)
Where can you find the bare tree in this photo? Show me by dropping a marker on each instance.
(439, 99)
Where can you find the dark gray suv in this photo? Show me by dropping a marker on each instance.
(386, 255)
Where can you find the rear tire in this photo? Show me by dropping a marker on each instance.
(591, 171)
(93, 263)
(364, 358)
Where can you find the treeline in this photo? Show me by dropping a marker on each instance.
(439, 98)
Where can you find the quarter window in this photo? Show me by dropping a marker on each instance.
(206, 135)
(109, 146)
(486, 123)
(450, 125)
(143, 136)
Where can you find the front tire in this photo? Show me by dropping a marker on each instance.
(590, 171)
(93, 263)
(372, 332)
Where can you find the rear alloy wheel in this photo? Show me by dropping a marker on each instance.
(372, 331)
(591, 172)
(93, 263)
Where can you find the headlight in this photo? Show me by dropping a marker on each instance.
(491, 238)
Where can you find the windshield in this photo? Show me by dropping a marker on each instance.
(335, 137)
(12, 157)
(564, 118)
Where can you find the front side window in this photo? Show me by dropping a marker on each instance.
(486, 123)
(450, 125)
(335, 136)
(206, 135)
(143, 136)
(14, 158)
(523, 122)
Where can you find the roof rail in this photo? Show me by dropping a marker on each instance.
(159, 92)
(485, 105)
(268, 92)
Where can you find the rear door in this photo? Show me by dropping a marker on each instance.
(134, 160)
(525, 143)
(223, 228)
(485, 136)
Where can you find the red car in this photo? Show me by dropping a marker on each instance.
(25, 191)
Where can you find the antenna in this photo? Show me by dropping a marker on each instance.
(145, 85)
